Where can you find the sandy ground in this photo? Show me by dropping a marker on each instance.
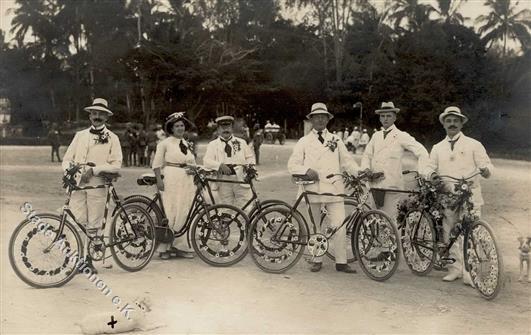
(188, 296)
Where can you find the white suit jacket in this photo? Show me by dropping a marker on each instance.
(385, 155)
(215, 153)
(310, 153)
(84, 149)
(467, 157)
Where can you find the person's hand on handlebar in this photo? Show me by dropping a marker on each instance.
(85, 177)
(312, 174)
(435, 178)
(366, 172)
(224, 169)
(485, 173)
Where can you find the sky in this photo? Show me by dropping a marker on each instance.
(471, 9)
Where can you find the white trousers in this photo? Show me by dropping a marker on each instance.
(233, 194)
(89, 208)
(334, 218)
(451, 218)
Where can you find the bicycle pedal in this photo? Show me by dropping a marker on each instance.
(448, 260)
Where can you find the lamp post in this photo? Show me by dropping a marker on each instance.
(360, 106)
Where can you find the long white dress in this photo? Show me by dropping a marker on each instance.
(179, 188)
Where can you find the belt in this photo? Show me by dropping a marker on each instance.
(178, 165)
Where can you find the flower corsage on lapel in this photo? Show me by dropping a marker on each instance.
(102, 138)
(236, 145)
(332, 144)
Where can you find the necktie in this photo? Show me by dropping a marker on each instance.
(452, 143)
(386, 132)
(184, 148)
(320, 137)
(228, 148)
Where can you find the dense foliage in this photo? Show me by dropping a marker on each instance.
(152, 57)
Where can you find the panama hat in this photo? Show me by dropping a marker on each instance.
(99, 104)
(172, 118)
(387, 107)
(319, 108)
(452, 110)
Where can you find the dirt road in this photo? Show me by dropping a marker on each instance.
(188, 296)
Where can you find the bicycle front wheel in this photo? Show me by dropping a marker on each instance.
(277, 238)
(218, 235)
(37, 260)
(132, 238)
(375, 242)
(418, 242)
(483, 259)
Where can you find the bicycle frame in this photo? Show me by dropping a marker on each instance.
(67, 212)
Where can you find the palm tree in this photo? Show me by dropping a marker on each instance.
(503, 23)
(448, 10)
(415, 14)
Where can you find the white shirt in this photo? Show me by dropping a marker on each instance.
(465, 159)
(310, 153)
(215, 153)
(385, 155)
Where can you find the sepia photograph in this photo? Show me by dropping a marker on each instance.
(265, 166)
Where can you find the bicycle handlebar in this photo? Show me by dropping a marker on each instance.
(462, 178)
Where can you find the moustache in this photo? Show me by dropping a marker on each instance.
(452, 127)
(97, 120)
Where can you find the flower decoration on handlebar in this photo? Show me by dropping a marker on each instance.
(250, 173)
(69, 176)
(332, 144)
(460, 198)
(430, 198)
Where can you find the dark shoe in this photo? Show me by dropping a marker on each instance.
(174, 252)
(316, 267)
(88, 264)
(164, 255)
(345, 268)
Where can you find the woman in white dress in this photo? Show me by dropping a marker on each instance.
(177, 188)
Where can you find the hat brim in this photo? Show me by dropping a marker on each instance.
(445, 114)
(387, 110)
(98, 108)
(330, 116)
(188, 124)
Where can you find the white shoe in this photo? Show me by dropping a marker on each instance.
(467, 280)
(453, 275)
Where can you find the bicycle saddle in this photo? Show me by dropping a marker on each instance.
(109, 175)
(302, 179)
(147, 179)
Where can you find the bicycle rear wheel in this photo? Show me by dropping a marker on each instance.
(37, 266)
(218, 235)
(132, 237)
(151, 207)
(277, 239)
(375, 242)
(418, 242)
(483, 259)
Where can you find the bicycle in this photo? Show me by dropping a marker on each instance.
(216, 232)
(279, 235)
(420, 222)
(46, 250)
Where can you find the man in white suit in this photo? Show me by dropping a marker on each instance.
(384, 153)
(100, 146)
(317, 155)
(458, 156)
(228, 149)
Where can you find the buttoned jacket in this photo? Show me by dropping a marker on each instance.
(326, 158)
(466, 158)
(84, 149)
(385, 155)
